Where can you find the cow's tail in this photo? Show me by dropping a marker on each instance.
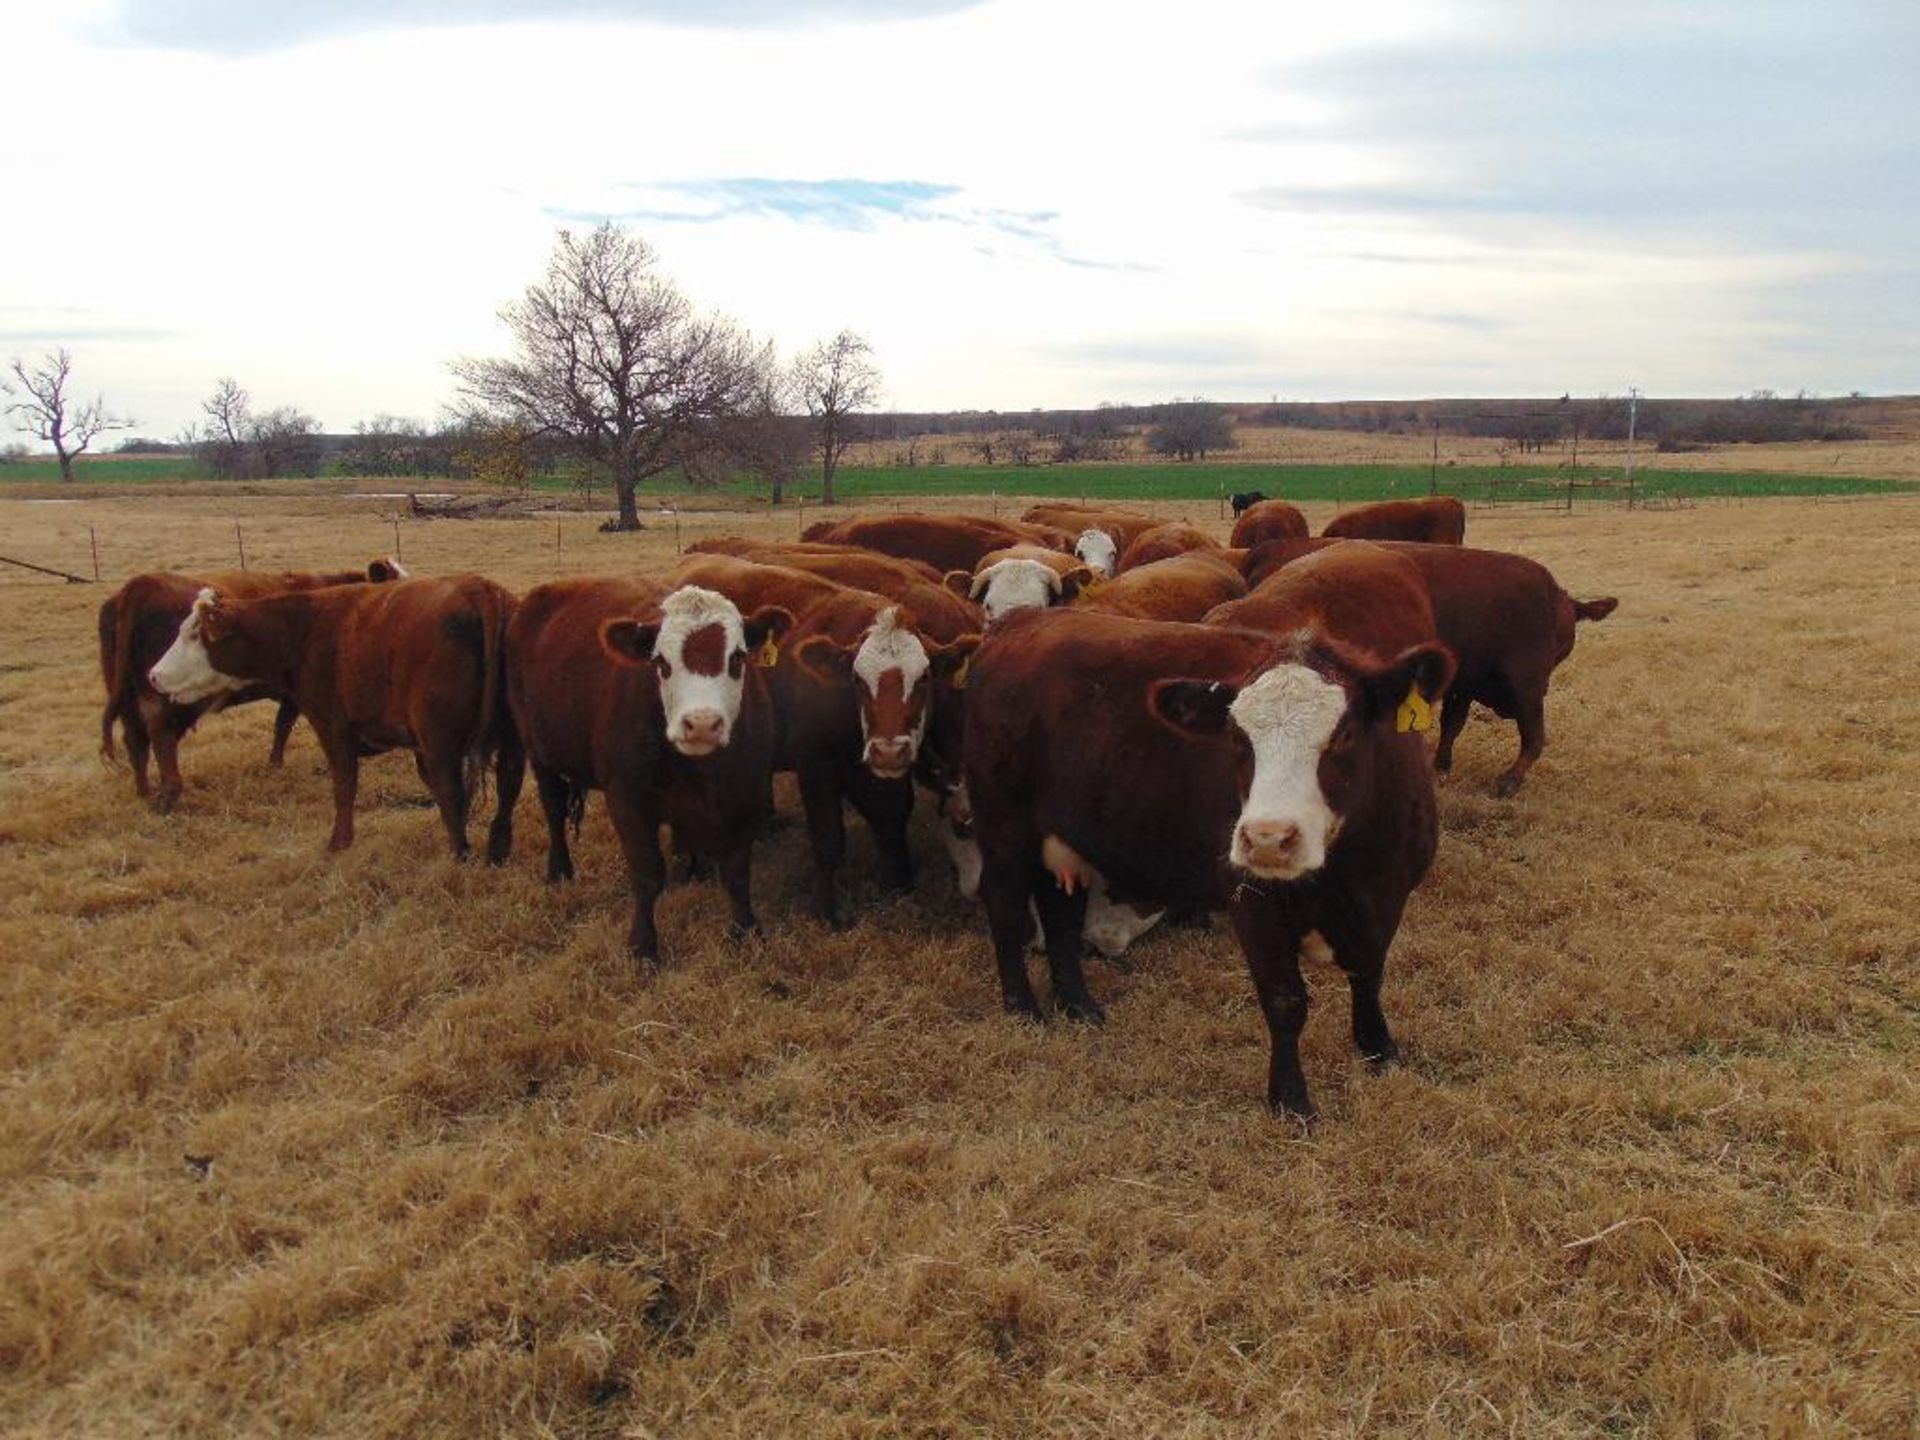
(485, 743)
(1594, 609)
(116, 669)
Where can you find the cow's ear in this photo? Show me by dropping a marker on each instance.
(630, 642)
(1070, 584)
(213, 618)
(1407, 687)
(960, 582)
(824, 659)
(766, 625)
(1197, 707)
(949, 661)
(383, 568)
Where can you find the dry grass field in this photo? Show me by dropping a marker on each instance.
(378, 1145)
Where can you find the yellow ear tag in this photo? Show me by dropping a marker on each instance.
(1414, 713)
(770, 653)
(960, 675)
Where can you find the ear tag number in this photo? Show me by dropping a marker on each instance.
(770, 653)
(1414, 713)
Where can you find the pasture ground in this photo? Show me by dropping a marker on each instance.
(381, 1145)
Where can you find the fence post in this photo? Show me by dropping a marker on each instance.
(94, 541)
(241, 541)
(396, 537)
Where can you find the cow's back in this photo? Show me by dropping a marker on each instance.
(1360, 594)
(1181, 587)
(1265, 521)
(1434, 520)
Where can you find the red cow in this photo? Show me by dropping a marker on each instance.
(1225, 769)
(1436, 520)
(857, 691)
(662, 701)
(415, 665)
(1360, 594)
(1101, 533)
(746, 547)
(937, 611)
(947, 542)
(137, 624)
(1181, 587)
(1174, 538)
(1268, 520)
(1507, 621)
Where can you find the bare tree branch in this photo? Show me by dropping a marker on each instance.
(49, 413)
(834, 379)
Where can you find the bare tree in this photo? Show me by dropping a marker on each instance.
(221, 443)
(49, 413)
(767, 441)
(834, 379)
(613, 360)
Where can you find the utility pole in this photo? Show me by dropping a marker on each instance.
(1633, 411)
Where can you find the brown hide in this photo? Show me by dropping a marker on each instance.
(1181, 587)
(1360, 594)
(595, 722)
(1125, 526)
(415, 665)
(947, 542)
(139, 621)
(1268, 520)
(1507, 621)
(785, 552)
(1148, 798)
(1435, 520)
(1175, 538)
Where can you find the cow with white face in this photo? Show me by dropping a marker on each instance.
(700, 648)
(186, 673)
(895, 672)
(1266, 775)
(664, 701)
(1021, 577)
(1099, 552)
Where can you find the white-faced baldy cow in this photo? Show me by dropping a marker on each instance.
(1224, 768)
(662, 701)
(414, 665)
(140, 620)
(1019, 577)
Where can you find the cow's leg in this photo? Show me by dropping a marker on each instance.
(283, 722)
(886, 806)
(554, 794)
(1364, 958)
(445, 774)
(1531, 716)
(1272, 949)
(343, 763)
(827, 828)
(1063, 919)
(1453, 719)
(1006, 886)
(736, 877)
(509, 774)
(638, 827)
(164, 732)
(133, 730)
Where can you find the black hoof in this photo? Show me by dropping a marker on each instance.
(1086, 1010)
(1024, 1009)
(1504, 787)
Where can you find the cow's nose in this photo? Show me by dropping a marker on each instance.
(1269, 842)
(891, 754)
(706, 729)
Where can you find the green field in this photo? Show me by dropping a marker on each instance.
(1340, 483)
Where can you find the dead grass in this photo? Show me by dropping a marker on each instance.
(378, 1145)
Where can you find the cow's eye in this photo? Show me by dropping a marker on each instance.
(666, 670)
(737, 664)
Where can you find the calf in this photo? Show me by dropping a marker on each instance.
(947, 542)
(1226, 769)
(415, 665)
(1507, 621)
(1174, 538)
(1435, 520)
(140, 620)
(1268, 520)
(662, 701)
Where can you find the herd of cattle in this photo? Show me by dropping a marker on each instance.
(1117, 716)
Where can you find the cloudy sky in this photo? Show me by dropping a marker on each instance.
(1021, 202)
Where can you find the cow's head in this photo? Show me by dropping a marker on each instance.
(1304, 735)
(895, 674)
(1096, 550)
(700, 648)
(1009, 585)
(383, 568)
(188, 673)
